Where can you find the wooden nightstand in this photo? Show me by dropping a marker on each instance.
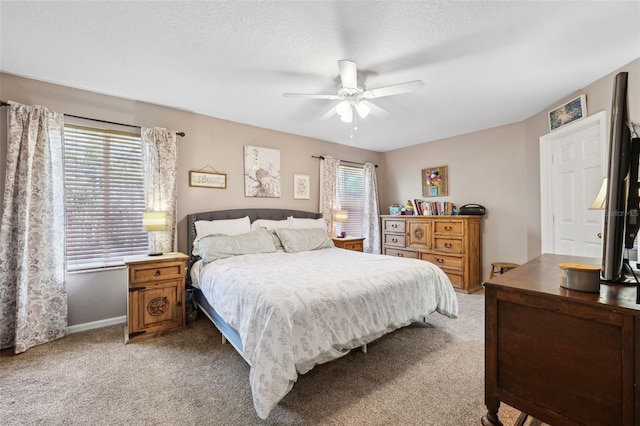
(156, 296)
(349, 243)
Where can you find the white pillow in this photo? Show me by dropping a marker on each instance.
(220, 227)
(270, 224)
(298, 223)
(223, 227)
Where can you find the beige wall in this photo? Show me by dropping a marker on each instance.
(500, 169)
(484, 168)
(208, 142)
(598, 95)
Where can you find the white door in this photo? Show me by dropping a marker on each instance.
(572, 164)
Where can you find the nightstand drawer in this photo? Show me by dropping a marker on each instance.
(156, 272)
(401, 253)
(394, 240)
(443, 261)
(349, 243)
(355, 246)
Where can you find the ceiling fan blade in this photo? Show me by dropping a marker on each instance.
(348, 74)
(376, 110)
(310, 96)
(395, 89)
(329, 114)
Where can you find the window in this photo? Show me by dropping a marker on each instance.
(104, 196)
(351, 187)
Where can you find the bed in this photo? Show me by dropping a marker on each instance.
(304, 302)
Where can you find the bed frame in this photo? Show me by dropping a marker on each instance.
(228, 332)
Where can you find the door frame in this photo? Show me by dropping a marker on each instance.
(547, 232)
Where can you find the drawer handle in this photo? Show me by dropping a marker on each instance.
(401, 254)
(394, 240)
(448, 228)
(448, 245)
(158, 272)
(439, 260)
(394, 225)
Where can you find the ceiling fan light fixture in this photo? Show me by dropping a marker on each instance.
(342, 108)
(347, 117)
(363, 109)
(354, 97)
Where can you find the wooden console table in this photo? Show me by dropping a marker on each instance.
(562, 356)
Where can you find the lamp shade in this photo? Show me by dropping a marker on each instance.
(363, 109)
(343, 107)
(340, 216)
(154, 221)
(601, 198)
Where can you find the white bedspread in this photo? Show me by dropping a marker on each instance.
(296, 310)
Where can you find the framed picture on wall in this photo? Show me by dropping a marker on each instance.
(573, 110)
(208, 180)
(301, 189)
(434, 181)
(261, 172)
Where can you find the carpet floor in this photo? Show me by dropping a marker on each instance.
(423, 374)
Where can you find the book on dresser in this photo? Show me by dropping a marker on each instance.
(451, 242)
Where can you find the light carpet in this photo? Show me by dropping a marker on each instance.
(423, 374)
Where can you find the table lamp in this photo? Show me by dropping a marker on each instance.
(154, 222)
(340, 216)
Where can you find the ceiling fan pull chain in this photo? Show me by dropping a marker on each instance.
(354, 126)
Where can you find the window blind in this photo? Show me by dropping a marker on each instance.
(351, 187)
(104, 197)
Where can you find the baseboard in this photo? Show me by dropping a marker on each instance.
(96, 324)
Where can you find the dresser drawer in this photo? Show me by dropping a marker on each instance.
(394, 239)
(450, 245)
(401, 253)
(448, 227)
(457, 281)
(391, 225)
(155, 271)
(443, 261)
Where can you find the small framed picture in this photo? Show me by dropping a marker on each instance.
(208, 180)
(573, 110)
(434, 181)
(301, 190)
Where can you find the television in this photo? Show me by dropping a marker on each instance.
(622, 196)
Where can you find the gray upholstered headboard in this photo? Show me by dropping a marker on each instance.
(272, 214)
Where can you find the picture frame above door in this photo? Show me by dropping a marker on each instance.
(570, 111)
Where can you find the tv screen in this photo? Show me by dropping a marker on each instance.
(621, 207)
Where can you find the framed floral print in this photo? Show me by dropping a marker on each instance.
(434, 181)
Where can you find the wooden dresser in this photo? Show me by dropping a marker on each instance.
(451, 242)
(155, 301)
(565, 357)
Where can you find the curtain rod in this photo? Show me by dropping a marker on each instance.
(344, 161)
(3, 103)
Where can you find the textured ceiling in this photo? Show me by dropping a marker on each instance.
(484, 64)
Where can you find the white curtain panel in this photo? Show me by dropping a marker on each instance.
(329, 194)
(33, 296)
(159, 159)
(371, 217)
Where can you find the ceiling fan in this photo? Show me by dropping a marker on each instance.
(355, 98)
